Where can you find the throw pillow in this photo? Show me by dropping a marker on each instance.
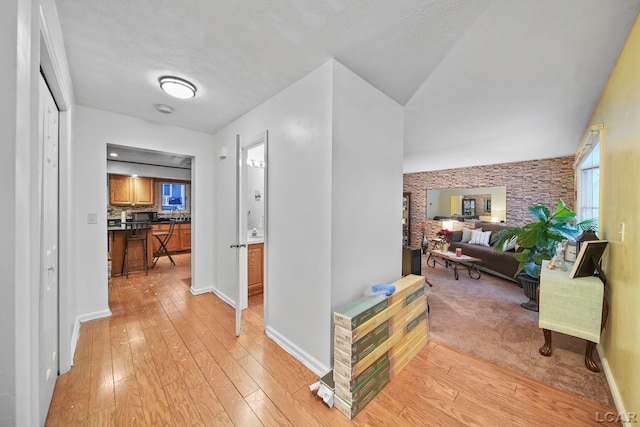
(479, 237)
(510, 244)
(456, 236)
(476, 236)
(466, 235)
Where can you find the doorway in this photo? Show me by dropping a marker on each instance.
(252, 225)
(255, 211)
(171, 193)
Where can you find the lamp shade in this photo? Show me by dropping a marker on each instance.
(447, 225)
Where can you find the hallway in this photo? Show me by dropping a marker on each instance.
(166, 357)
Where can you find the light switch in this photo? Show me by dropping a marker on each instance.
(92, 218)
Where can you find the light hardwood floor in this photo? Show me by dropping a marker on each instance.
(166, 357)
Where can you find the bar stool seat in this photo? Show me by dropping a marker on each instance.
(163, 238)
(136, 232)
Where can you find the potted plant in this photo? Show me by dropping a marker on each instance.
(537, 241)
(445, 238)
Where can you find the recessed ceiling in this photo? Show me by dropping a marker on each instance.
(482, 73)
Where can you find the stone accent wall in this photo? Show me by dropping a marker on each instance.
(533, 182)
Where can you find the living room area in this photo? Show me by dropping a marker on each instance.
(484, 317)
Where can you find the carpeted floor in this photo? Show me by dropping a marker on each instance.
(484, 318)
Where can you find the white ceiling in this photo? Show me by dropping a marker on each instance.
(468, 72)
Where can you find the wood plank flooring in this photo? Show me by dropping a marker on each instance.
(168, 358)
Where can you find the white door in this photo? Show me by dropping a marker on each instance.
(48, 133)
(242, 146)
(239, 246)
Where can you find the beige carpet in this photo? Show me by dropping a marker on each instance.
(484, 318)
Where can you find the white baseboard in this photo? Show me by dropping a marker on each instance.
(305, 358)
(615, 393)
(75, 334)
(200, 291)
(93, 316)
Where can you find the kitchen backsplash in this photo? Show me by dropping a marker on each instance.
(115, 212)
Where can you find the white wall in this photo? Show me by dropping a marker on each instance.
(15, 166)
(299, 218)
(308, 208)
(366, 197)
(92, 130)
(20, 227)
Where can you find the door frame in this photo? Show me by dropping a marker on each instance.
(242, 298)
(59, 82)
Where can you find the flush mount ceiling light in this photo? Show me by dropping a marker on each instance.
(177, 87)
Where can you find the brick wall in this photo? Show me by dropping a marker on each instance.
(528, 183)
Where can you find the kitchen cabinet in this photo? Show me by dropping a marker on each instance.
(142, 191)
(180, 239)
(129, 191)
(255, 276)
(185, 237)
(116, 242)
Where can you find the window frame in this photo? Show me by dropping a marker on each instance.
(587, 178)
(159, 193)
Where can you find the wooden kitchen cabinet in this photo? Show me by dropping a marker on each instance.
(185, 237)
(128, 191)
(142, 191)
(180, 239)
(255, 276)
(116, 242)
(119, 190)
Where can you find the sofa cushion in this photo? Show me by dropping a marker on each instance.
(479, 237)
(466, 235)
(456, 236)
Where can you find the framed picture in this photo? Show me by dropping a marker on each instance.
(571, 251)
(468, 206)
(588, 259)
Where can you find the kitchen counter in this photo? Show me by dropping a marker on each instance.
(179, 242)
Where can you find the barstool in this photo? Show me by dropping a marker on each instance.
(163, 238)
(135, 231)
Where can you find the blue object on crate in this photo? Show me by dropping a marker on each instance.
(380, 288)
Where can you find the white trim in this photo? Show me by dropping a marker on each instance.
(93, 316)
(587, 144)
(55, 68)
(75, 336)
(50, 62)
(613, 386)
(216, 292)
(305, 358)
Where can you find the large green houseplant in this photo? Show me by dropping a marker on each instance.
(538, 240)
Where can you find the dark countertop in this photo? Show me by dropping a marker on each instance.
(119, 228)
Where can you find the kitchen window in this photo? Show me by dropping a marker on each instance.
(174, 196)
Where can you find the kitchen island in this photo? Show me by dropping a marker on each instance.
(180, 242)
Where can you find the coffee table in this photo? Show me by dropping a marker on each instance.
(451, 261)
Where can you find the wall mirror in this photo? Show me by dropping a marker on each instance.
(485, 203)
